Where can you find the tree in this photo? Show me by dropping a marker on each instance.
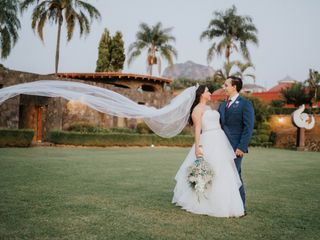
(261, 111)
(314, 84)
(111, 53)
(297, 95)
(182, 83)
(58, 11)
(222, 74)
(230, 32)
(117, 52)
(156, 40)
(9, 26)
(103, 62)
(242, 69)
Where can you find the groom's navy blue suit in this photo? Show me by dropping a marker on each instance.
(237, 121)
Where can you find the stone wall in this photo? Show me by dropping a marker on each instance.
(77, 112)
(9, 110)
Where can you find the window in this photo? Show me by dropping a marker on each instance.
(120, 85)
(148, 88)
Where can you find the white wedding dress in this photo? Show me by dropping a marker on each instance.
(222, 197)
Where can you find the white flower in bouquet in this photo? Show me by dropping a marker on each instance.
(200, 176)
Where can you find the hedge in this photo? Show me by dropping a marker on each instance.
(16, 137)
(116, 139)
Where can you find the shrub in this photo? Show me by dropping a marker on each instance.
(82, 127)
(265, 126)
(277, 103)
(122, 130)
(264, 138)
(264, 132)
(186, 131)
(261, 111)
(273, 137)
(143, 128)
(116, 139)
(16, 137)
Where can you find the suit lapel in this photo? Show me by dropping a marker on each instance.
(223, 110)
(230, 110)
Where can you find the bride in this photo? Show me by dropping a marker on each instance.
(222, 196)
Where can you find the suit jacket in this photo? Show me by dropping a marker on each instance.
(237, 122)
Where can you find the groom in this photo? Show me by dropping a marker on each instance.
(237, 121)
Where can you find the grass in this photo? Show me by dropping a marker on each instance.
(125, 193)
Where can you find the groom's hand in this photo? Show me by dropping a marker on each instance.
(239, 153)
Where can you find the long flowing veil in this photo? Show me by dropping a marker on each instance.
(167, 121)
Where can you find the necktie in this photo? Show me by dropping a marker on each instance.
(228, 104)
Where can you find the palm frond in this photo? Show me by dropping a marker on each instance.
(133, 55)
(41, 22)
(10, 25)
(211, 52)
(167, 51)
(251, 76)
(71, 16)
(26, 3)
(91, 10)
(5, 42)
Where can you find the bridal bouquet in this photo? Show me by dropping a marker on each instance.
(200, 175)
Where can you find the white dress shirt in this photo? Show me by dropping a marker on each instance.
(233, 99)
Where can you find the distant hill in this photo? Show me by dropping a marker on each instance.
(188, 70)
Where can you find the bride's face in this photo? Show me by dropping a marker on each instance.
(206, 95)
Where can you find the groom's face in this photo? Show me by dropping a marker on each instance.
(228, 88)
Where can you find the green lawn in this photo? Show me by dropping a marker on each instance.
(125, 193)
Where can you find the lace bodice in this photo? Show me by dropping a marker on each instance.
(210, 120)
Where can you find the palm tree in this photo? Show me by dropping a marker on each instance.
(228, 69)
(222, 74)
(9, 26)
(58, 11)
(156, 40)
(243, 67)
(314, 84)
(230, 32)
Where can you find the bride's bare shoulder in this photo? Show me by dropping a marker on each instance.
(199, 109)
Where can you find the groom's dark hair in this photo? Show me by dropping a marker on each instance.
(236, 81)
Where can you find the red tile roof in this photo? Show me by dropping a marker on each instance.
(273, 94)
(280, 86)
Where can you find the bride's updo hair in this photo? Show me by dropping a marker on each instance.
(199, 92)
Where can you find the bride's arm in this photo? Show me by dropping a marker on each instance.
(196, 118)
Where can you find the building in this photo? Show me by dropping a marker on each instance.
(44, 114)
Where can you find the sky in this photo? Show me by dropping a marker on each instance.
(289, 36)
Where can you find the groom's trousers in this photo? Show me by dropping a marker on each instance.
(238, 161)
